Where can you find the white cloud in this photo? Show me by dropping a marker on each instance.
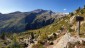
(64, 9)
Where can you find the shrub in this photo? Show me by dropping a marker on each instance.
(3, 36)
(37, 46)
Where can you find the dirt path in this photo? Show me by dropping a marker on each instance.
(62, 43)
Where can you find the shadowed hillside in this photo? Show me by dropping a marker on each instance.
(22, 21)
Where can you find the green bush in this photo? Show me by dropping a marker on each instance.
(37, 46)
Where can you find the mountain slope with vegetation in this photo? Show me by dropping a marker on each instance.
(22, 21)
(46, 36)
(39, 34)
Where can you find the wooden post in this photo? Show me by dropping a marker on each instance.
(78, 30)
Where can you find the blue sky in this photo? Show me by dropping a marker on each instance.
(7, 6)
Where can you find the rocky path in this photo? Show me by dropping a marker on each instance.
(62, 43)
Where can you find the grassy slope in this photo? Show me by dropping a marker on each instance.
(50, 28)
(54, 27)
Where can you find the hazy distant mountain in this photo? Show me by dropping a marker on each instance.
(22, 21)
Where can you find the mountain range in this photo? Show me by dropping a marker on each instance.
(22, 21)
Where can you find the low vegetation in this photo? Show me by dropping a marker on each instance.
(41, 36)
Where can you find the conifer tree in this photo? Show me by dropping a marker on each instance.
(84, 6)
(3, 35)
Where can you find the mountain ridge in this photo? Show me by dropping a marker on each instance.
(22, 21)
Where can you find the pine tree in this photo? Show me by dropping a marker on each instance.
(3, 35)
(79, 9)
(32, 35)
(71, 14)
(84, 6)
(82, 11)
